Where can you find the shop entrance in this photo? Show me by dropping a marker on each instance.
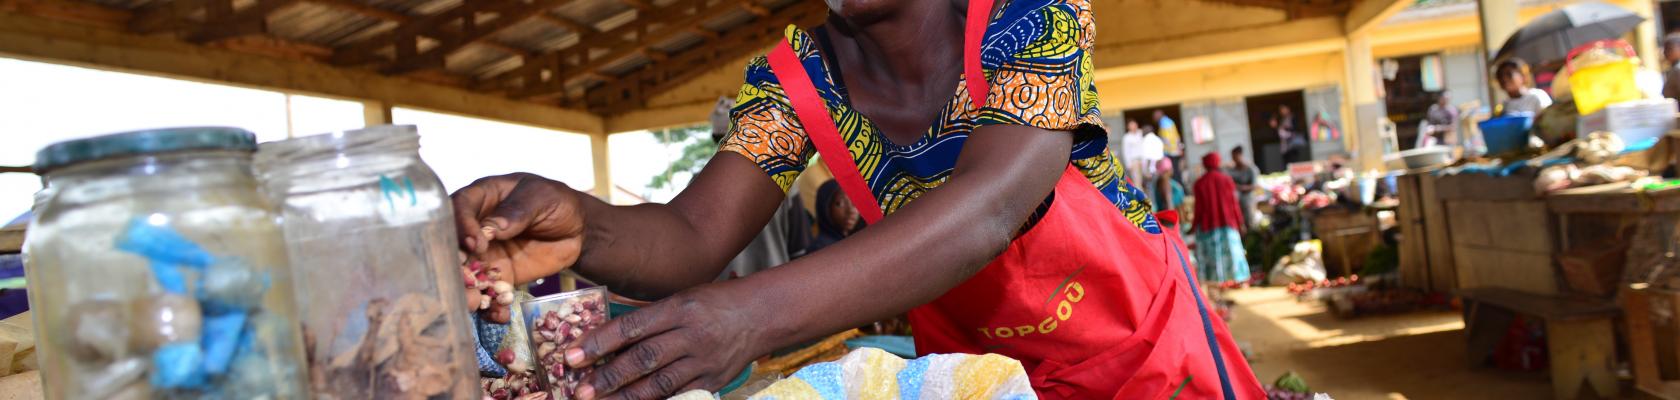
(1265, 116)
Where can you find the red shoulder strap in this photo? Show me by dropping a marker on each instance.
(979, 15)
(824, 134)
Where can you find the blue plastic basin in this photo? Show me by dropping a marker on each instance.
(1506, 134)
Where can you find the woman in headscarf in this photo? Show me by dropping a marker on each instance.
(836, 217)
(1219, 250)
(1168, 193)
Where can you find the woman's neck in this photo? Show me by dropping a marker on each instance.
(916, 43)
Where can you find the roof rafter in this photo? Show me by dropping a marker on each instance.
(1295, 9)
(549, 65)
(405, 37)
(634, 88)
(224, 23)
(670, 25)
(393, 16)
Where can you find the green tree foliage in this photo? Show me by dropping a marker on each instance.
(697, 147)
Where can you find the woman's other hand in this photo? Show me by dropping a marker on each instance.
(522, 224)
(697, 339)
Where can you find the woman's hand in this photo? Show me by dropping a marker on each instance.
(697, 339)
(524, 225)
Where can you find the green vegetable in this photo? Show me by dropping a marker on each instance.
(1292, 382)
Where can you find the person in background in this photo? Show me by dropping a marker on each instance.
(787, 234)
(1172, 143)
(1168, 193)
(836, 217)
(1150, 150)
(1246, 177)
(1523, 99)
(1131, 148)
(1671, 66)
(1220, 257)
(1290, 138)
(1441, 119)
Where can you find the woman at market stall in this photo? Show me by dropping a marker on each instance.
(1219, 247)
(973, 128)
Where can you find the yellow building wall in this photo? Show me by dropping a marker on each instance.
(1236, 74)
(1233, 80)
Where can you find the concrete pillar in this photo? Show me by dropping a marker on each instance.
(376, 113)
(599, 154)
(1363, 138)
(1647, 38)
(1499, 20)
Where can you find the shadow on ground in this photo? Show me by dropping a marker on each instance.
(1405, 356)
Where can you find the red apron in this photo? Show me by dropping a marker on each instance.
(1091, 305)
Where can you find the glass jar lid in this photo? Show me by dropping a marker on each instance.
(150, 141)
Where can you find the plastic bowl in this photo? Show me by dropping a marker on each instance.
(1506, 134)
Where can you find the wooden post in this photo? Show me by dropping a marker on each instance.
(1582, 351)
(1363, 137)
(376, 113)
(601, 157)
(1499, 20)
(291, 125)
(1646, 37)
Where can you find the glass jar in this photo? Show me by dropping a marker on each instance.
(159, 271)
(372, 240)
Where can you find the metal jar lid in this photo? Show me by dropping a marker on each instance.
(150, 141)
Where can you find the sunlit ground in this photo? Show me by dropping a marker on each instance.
(1405, 356)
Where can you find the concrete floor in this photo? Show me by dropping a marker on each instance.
(1405, 356)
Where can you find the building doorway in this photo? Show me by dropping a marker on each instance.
(1265, 117)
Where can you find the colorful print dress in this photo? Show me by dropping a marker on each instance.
(1036, 54)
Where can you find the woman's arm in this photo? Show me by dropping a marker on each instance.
(700, 338)
(646, 251)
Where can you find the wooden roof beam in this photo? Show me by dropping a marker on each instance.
(633, 88)
(639, 5)
(405, 36)
(671, 24)
(508, 13)
(564, 22)
(1295, 9)
(365, 10)
(70, 10)
(162, 16)
(248, 21)
(553, 61)
(393, 16)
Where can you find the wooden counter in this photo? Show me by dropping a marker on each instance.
(1502, 233)
(11, 240)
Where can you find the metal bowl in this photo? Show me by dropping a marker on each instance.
(1425, 157)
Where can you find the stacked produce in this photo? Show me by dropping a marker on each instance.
(556, 322)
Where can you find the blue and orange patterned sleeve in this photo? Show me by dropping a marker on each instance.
(763, 127)
(1037, 55)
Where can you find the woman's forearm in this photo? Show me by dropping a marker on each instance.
(651, 251)
(916, 254)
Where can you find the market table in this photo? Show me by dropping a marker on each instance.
(1579, 335)
(1595, 218)
(11, 240)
